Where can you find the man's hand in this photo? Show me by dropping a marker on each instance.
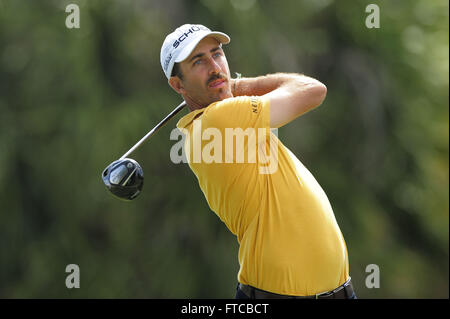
(290, 95)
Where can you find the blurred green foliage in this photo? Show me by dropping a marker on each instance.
(74, 100)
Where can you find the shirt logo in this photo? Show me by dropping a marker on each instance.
(254, 104)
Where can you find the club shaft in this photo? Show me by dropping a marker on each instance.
(156, 128)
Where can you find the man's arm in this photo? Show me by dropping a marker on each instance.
(290, 95)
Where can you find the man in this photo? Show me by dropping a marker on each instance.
(290, 243)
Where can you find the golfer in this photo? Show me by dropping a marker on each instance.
(290, 245)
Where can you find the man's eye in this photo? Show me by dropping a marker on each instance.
(197, 62)
(217, 54)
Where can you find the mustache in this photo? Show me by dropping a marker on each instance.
(217, 76)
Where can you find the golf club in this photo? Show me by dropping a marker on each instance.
(124, 178)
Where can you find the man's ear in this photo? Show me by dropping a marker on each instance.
(176, 84)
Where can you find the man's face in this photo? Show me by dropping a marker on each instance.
(205, 74)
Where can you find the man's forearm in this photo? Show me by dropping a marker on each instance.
(264, 84)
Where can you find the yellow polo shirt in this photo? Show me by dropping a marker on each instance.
(290, 242)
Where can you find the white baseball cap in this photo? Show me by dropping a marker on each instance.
(180, 43)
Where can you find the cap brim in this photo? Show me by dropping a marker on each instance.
(219, 36)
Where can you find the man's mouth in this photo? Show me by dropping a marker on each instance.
(217, 83)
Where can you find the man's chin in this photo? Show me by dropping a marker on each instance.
(215, 97)
(220, 96)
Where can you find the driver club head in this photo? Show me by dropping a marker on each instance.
(124, 178)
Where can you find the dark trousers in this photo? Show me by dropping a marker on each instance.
(240, 295)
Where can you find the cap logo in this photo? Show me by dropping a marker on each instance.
(191, 30)
(167, 61)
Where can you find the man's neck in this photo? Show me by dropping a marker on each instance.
(192, 104)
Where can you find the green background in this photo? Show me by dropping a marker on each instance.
(74, 100)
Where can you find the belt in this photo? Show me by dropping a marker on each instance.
(344, 291)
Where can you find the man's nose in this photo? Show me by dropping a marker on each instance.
(214, 67)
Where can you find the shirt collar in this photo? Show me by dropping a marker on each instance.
(188, 118)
